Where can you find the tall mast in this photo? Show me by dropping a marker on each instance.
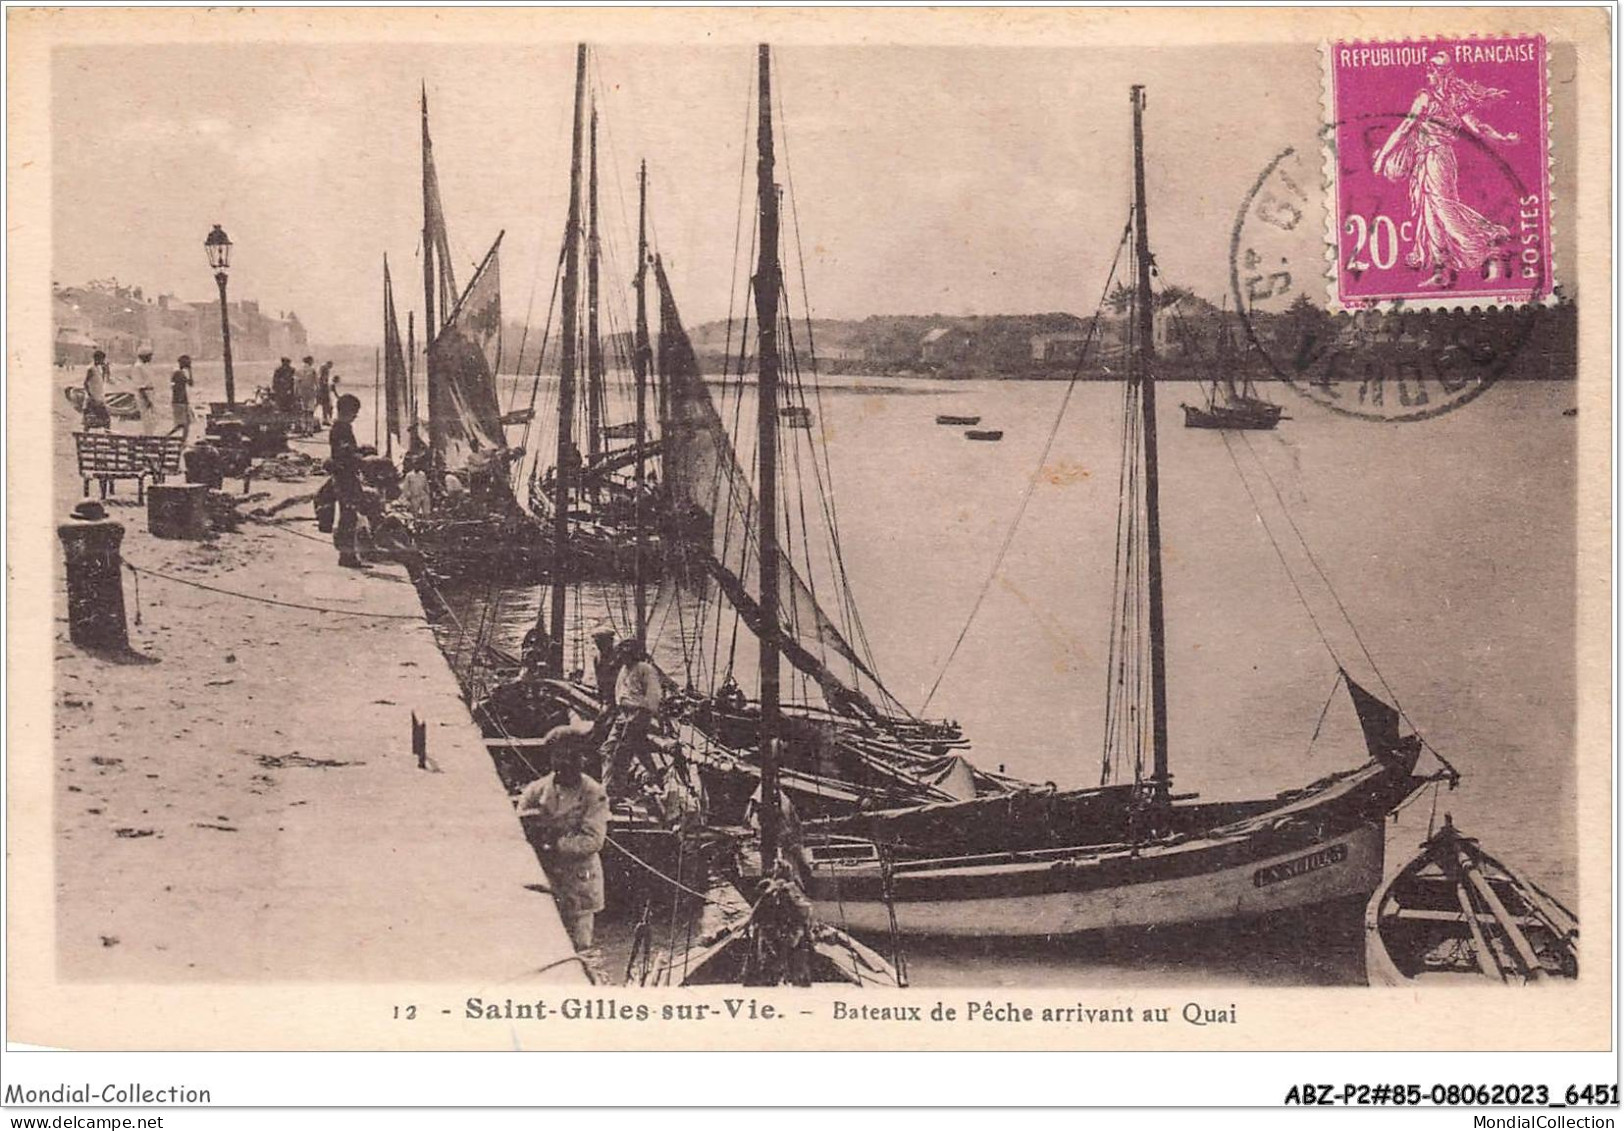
(766, 285)
(429, 243)
(566, 376)
(640, 358)
(594, 348)
(1143, 373)
(411, 372)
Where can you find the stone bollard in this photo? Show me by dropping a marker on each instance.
(90, 544)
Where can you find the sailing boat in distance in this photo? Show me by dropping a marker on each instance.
(1231, 406)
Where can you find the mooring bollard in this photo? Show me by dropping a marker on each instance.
(90, 545)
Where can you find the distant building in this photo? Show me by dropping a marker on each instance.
(106, 315)
(1058, 348)
(944, 345)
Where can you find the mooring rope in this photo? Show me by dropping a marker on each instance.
(138, 570)
(655, 871)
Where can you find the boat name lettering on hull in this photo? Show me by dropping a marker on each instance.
(1301, 866)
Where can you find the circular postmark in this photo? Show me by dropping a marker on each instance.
(1401, 360)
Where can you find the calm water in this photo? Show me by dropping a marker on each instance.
(1449, 542)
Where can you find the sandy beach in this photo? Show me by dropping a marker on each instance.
(239, 801)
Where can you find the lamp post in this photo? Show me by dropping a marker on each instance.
(218, 248)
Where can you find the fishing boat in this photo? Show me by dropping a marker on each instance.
(1132, 853)
(858, 747)
(987, 435)
(1236, 412)
(781, 941)
(600, 497)
(1456, 914)
(478, 530)
(957, 421)
(1232, 405)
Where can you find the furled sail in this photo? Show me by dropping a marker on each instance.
(1379, 721)
(436, 239)
(703, 477)
(400, 411)
(464, 415)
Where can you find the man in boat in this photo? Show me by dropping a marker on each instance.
(572, 811)
(414, 492)
(605, 668)
(637, 713)
(346, 470)
(535, 652)
(417, 455)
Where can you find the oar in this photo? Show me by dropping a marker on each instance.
(1507, 924)
(1480, 945)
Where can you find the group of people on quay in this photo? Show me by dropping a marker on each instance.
(301, 394)
(137, 384)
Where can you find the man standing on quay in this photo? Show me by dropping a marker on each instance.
(346, 470)
(573, 812)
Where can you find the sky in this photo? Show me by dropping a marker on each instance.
(922, 180)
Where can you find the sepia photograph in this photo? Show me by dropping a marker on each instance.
(1079, 538)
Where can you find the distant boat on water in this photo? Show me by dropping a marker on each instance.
(1232, 407)
(991, 435)
(960, 421)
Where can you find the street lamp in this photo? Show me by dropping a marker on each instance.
(218, 248)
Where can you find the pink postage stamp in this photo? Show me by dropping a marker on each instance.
(1439, 171)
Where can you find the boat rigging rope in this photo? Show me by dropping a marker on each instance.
(1037, 473)
(652, 870)
(1279, 552)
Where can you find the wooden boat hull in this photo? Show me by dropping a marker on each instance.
(1321, 844)
(1434, 922)
(519, 550)
(985, 436)
(1059, 901)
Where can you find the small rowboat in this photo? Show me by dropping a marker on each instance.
(960, 421)
(991, 436)
(1455, 913)
(796, 416)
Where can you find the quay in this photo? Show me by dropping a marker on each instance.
(240, 801)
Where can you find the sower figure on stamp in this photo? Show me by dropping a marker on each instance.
(1450, 236)
(572, 811)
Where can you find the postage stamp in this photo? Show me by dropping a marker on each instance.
(1438, 168)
